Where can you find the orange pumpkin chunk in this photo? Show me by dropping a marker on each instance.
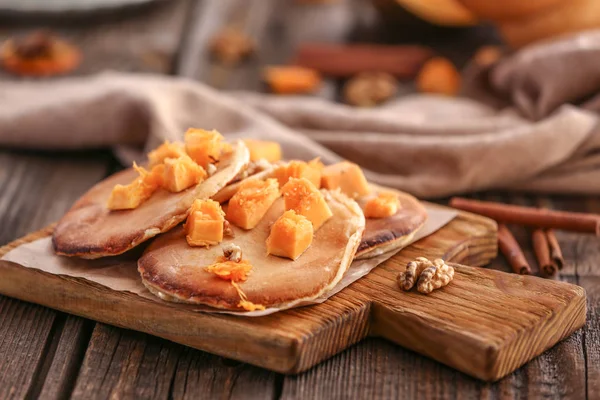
(305, 199)
(251, 202)
(164, 151)
(204, 225)
(127, 197)
(300, 169)
(261, 149)
(182, 173)
(204, 147)
(290, 235)
(346, 176)
(384, 205)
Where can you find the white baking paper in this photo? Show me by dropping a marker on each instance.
(120, 273)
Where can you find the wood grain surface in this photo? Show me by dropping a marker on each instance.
(486, 323)
(33, 354)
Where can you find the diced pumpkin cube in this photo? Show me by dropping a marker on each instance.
(292, 79)
(318, 165)
(261, 149)
(299, 169)
(164, 151)
(346, 176)
(305, 199)
(384, 205)
(127, 197)
(204, 147)
(182, 173)
(153, 178)
(204, 225)
(251, 202)
(290, 235)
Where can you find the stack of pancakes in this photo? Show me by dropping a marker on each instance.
(175, 271)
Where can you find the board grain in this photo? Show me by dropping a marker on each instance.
(486, 323)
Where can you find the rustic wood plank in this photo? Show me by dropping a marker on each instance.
(34, 192)
(202, 375)
(146, 39)
(125, 364)
(63, 363)
(25, 330)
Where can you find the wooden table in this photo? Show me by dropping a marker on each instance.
(48, 354)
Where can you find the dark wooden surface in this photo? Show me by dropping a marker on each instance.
(47, 354)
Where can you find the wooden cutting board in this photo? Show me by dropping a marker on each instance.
(486, 323)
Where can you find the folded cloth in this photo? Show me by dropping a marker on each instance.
(546, 140)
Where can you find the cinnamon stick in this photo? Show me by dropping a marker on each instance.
(540, 218)
(512, 251)
(541, 249)
(555, 252)
(343, 61)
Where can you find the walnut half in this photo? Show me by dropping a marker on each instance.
(369, 89)
(232, 252)
(431, 275)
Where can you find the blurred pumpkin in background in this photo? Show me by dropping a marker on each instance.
(448, 13)
(526, 21)
(498, 10)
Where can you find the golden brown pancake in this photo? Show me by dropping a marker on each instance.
(90, 230)
(176, 272)
(387, 234)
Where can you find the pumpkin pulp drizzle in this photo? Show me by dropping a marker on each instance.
(235, 272)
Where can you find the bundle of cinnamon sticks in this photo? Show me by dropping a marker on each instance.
(544, 222)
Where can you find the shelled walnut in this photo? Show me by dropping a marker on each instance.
(230, 46)
(369, 89)
(431, 275)
(435, 277)
(232, 252)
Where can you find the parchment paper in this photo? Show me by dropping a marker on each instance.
(120, 273)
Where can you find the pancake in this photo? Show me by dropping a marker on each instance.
(174, 271)
(90, 230)
(387, 234)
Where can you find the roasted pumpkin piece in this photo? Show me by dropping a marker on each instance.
(305, 199)
(204, 224)
(204, 147)
(182, 173)
(153, 178)
(290, 235)
(292, 79)
(251, 202)
(261, 149)
(164, 151)
(384, 205)
(127, 197)
(300, 169)
(346, 176)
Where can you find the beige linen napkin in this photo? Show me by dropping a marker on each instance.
(547, 140)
